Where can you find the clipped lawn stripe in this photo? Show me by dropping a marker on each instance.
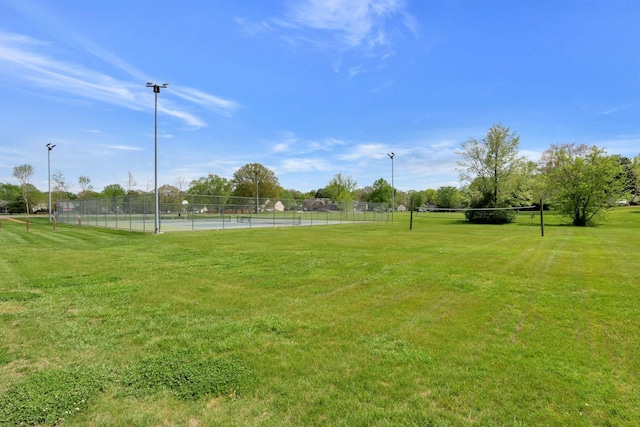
(18, 295)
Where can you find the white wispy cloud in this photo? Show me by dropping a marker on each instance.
(354, 71)
(281, 147)
(124, 147)
(188, 118)
(366, 151)
(296, 146)
(428, 160)
(223, 106)
(351, 24)
(33, 63)
(626, 145)
(358, 23)
(252, 29)
(326, 144)
(305, 164)
(614, 109)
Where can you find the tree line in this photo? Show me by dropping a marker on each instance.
(579, 181)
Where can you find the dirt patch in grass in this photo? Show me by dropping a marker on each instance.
(14, 220)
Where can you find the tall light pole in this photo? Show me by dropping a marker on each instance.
(393, 202)
(49, 148)
(156, 91)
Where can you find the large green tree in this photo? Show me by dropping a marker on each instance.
(11, 200)
(489, 167)
(210, 185)
(635, 165)
(490, 164)
(23, 174)
(581, 181)
(255, 180)
(417, 198)
(629, 176)
(169, 194)
(340, 188)
(430, 196)
(113, 190)
(381, 192)
(525, 184)
(448, 197)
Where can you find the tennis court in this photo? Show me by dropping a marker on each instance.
(135, 213)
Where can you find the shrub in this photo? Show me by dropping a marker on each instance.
(499, 216)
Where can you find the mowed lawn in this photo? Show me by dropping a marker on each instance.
(363, 324)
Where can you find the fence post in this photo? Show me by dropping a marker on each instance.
(541, 217)
(79, 222)
(411, 219)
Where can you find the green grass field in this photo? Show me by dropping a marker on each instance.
(361, 324)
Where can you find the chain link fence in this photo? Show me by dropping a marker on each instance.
(191, 212)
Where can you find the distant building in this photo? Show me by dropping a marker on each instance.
(360, 206)
(314, 205)
(426, 207)
(66, 206)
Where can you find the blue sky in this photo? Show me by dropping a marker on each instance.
(308, 88)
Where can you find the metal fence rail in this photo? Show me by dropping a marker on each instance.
(192, 212)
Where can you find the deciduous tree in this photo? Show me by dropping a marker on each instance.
(490, 164)
(580, 181)
(340, 188)
(11, 198)
(254, 177)
(23, 174)
(61, 186)
(210, 185)
(169, 194)
(417, 198)
(113, 190)
(629, 176)
(131, 183)
(448, 197)
(86, 188)
(381, 192)
(430, 196)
